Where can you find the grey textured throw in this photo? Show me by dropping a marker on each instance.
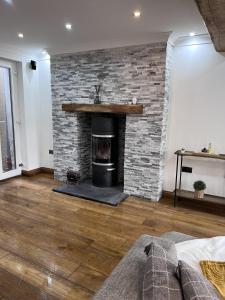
(195, 285)
(160, 281)
(126, 280)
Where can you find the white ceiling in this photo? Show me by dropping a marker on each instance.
(96, 23)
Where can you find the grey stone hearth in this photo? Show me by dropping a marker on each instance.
(137, 71)
(109, 195)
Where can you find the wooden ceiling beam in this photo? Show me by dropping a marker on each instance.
(213, 13)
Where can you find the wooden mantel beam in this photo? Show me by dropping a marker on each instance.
(104, 108)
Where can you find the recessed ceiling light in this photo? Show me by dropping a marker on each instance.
(68, 26)
(137, 13)
(20, 35)
(192, 33)
(10, 2)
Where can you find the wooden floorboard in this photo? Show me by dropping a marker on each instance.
(53, 246)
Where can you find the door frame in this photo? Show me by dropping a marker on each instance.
(12, 66)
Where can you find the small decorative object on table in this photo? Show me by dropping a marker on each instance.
(97, 96)
(211, 149)
(182, 150)
(199, 187)
(204, 150)
(73, 176)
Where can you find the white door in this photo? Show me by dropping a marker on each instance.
(9, 124)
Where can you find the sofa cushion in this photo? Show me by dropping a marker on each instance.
(160, 281)
(177, 237)
(194, 285)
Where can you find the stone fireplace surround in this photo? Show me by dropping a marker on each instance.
(135, 71)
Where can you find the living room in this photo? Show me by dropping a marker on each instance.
(112, 149)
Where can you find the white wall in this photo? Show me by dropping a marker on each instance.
(34, 98)
(46, 134)
(197, 115)
(30, 119)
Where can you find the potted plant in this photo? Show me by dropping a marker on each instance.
(199, 187)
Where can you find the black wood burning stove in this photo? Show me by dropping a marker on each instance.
(104, 151)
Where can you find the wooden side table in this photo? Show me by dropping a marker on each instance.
(180, 193)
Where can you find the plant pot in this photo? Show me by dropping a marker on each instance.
(199, 194)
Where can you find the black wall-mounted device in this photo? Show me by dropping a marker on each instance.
(186, 169)
(33, 65)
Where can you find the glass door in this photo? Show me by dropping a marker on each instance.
(8, 131)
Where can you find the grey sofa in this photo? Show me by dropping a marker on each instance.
(125, 282)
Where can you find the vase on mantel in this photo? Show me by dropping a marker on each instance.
(97, 99)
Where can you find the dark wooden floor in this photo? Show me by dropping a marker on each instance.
(54, 246)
